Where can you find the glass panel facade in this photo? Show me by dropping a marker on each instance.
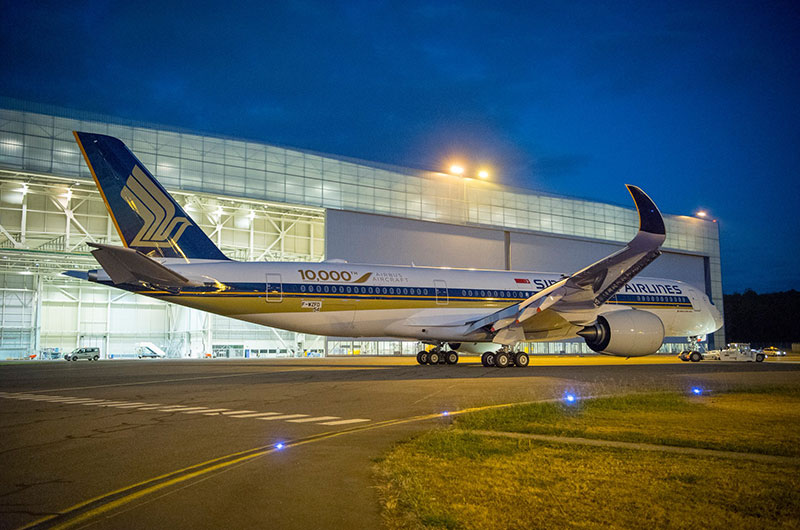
(41, 142)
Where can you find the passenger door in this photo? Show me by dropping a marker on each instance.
(274, 288)
(440, 286)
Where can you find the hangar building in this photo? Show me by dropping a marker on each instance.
(263, 202)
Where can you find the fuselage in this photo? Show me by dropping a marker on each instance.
(423, 303)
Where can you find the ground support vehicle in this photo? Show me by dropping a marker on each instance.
(737, 351)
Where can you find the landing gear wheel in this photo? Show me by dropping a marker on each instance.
(434, 357)
(485, 359)
(522, 360)
(422, 357)
(759, 357)
(490, 358)
(501, 359)
(695, 357)
(451, 357)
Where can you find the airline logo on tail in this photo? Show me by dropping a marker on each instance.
(161, 228)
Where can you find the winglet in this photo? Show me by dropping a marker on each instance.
(650, 219)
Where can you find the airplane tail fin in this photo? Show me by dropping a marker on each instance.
(147, 218)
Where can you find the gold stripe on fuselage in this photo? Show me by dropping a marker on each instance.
(242, 303)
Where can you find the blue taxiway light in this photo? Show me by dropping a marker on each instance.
(697, 391)
(279, 446)
(570, 398)
(445, 413)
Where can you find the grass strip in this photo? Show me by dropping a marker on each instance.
(759, 420)
(452, 478)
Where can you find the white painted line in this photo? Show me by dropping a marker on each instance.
(237, 412)
(138, 405)
(257, 415)
(126, 405)
(96, 402)
(180, 409)
(344, 422)
(319, 418)
(104, 403)
(151, 407)
(284, 417)
(206, 411)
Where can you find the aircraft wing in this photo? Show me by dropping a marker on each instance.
(577, 297)
(126, 265)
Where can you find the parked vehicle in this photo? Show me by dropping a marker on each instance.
(772, 350)
(736, 351)
(92, 354)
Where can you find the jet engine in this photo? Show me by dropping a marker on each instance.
(626, 333)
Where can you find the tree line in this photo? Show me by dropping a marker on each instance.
(763, 319)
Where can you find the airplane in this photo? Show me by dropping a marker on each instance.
(167, 256)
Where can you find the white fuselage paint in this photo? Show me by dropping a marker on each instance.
(351, 300)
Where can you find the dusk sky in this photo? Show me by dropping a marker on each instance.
(696, 102)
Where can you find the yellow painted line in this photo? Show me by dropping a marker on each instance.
(187, 473)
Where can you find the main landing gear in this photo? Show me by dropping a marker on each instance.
(437, 355)
(503, 358)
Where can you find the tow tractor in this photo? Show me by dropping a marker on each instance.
(736, 351)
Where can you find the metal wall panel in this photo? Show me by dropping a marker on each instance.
(368, 238)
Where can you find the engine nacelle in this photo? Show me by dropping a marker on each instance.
(626, 333)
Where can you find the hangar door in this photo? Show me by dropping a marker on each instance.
(369, 238)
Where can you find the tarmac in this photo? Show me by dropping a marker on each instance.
(265, 443)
